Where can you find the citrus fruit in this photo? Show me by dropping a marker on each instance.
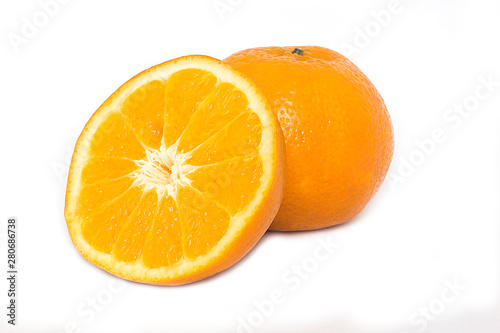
(338, 133)
(177, 175)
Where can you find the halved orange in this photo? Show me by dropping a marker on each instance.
(177, 175)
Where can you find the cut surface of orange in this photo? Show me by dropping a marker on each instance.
(177, 175)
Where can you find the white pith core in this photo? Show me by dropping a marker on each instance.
(162, 170)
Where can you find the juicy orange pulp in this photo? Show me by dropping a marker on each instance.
(166, 173)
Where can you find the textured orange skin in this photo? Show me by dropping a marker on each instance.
(338, 133)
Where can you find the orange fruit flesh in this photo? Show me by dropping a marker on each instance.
(167, 171)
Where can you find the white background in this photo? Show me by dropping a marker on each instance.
(439, 222)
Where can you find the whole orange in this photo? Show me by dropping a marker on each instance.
(338, 133)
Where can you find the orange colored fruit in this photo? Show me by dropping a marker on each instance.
(177, 175)
(338, 133)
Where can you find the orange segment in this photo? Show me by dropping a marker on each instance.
(205, 223)
(129, 244)
(177, 175)
(232, 184)
(113, 138)
(240, 137)
(165, 242)
(95, 196)
(144, 110)
(225, 103)
(101, 226)
(184, 91)
(99, 168)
